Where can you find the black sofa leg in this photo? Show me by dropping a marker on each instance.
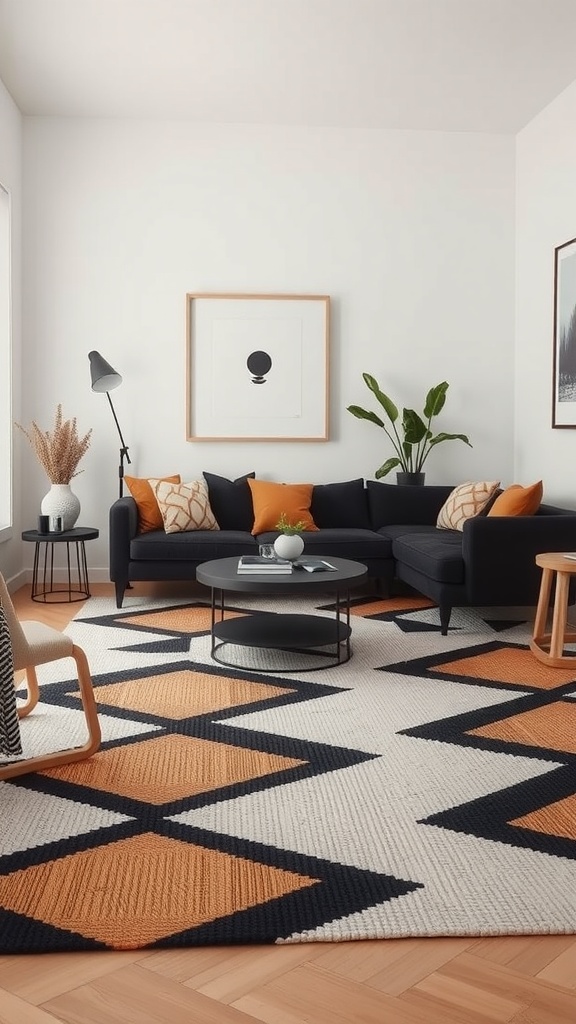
(445, 613)
(120, 588)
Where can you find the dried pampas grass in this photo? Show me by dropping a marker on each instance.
(58, 452)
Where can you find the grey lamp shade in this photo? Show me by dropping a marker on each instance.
(104, 377)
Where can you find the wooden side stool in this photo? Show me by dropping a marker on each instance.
(549, 647)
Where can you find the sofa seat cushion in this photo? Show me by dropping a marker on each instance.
(435, 553)
(351, 543)
(199, 546)
(392, 532)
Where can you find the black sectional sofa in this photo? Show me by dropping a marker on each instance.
(339, 510)
(389, 527)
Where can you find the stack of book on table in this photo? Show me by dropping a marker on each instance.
(258, 564)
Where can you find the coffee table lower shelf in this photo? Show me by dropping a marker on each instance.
(298, 634)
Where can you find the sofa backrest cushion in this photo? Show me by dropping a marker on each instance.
(231, 501)
(394, 504)
(340, 505)
(555, 510)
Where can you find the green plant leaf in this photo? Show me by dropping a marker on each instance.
(414, 428)
(365, 414)
(435, 400)
(386, 403)
(449, 437)
(406, 456)
(386, 467)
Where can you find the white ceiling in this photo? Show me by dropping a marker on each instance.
(454, 65)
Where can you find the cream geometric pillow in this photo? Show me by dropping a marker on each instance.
(185, 507)
(465, 502)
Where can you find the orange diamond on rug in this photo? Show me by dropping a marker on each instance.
(111, 894)
(558, 819)
(508, 665)
(391, 604)
(176, 620)
(167, 768)
(552, 727)
(184, 693)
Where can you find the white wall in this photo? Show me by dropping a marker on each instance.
(410, 233)
(546, 217)
(11, 178)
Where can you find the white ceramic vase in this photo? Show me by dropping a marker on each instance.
(61, 501)
(289, 545)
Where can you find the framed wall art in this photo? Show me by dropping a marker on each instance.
(257, 367)
(564, 386)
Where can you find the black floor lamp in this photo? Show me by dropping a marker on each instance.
(105, 379)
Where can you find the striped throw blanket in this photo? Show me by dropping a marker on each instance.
(10, 745)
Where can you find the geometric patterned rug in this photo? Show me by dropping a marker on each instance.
(426, 787)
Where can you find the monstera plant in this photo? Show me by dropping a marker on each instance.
(412, 438)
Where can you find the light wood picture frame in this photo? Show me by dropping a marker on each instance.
(564, 373)
(257, 367)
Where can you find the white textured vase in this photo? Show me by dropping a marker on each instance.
(61, 501)
(289, 545)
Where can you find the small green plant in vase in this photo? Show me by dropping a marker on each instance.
(288, 528)
(289, 543)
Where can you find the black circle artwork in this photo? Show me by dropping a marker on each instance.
(259, 364)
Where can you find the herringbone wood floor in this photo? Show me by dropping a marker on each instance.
(526, 980)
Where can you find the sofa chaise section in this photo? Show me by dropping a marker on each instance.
(491, 562)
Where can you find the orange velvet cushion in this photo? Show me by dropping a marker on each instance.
(270, 500)
(518, 501)
(142, 490)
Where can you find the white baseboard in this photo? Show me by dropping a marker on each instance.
(19, 580)
(60, 575)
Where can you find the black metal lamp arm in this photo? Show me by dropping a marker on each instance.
(123, 449)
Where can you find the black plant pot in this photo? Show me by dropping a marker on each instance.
(415, 479)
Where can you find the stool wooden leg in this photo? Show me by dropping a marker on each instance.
(543, 604)
(560, 615)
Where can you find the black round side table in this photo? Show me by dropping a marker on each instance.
(43, 586)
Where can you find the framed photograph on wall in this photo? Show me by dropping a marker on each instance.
(257, 367)
(564, 387)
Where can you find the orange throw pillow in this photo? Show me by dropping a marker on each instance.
(270, 500)
(518, 501)
(149, 515)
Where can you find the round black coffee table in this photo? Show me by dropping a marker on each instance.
(326, 638)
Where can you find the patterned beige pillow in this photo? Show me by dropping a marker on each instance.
(185, 507)
(465, 502)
